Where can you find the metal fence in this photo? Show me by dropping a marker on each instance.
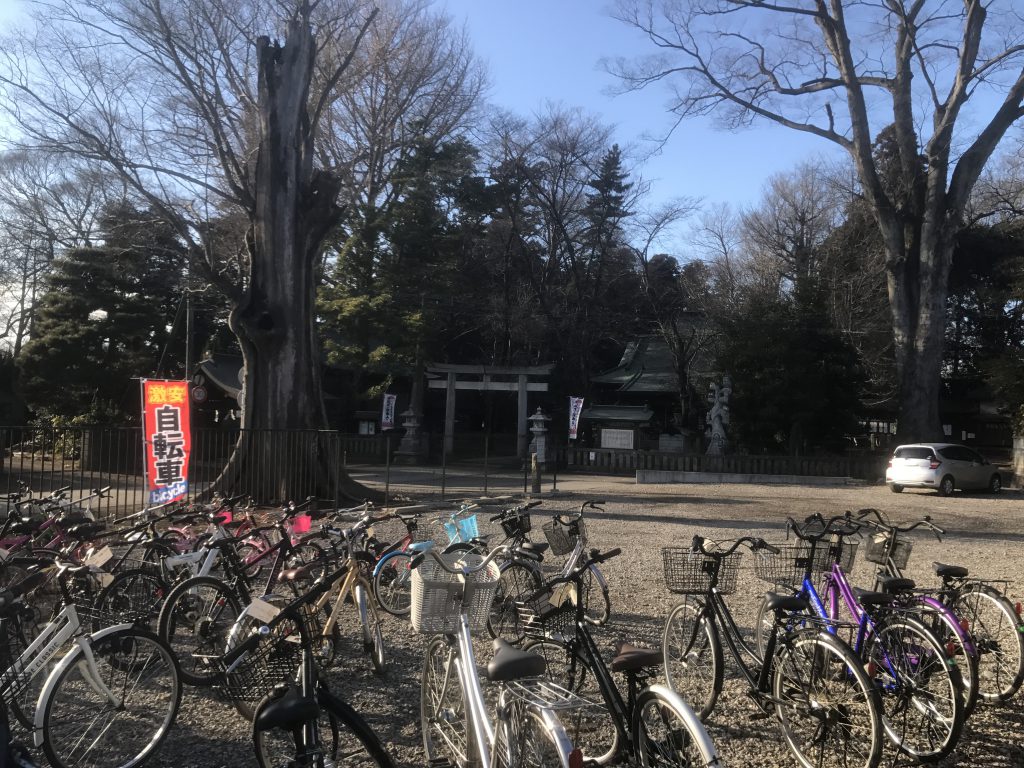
(292, 464)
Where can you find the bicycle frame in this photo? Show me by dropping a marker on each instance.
(354, 577)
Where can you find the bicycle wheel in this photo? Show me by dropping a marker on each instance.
(524, 740)
(999, 637)
(595, 597)
(591, 729)
(694, 667)
(828, 709)
(665, 734)
(344, 739)
(83, 727)
(392, 584)
(515, 583)
(962, 652)
(922, 709)
(133, 596)
(373, 637)
(18, 630)
(443, 715)
(195, 622)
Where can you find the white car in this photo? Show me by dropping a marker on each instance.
(942, 466)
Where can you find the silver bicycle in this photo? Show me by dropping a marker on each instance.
(111, 698)
(451, 598)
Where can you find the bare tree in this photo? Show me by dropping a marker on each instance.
(204, 117)
(47, 205)
(830, 68)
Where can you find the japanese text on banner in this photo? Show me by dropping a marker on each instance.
(168, 439)
(575, 407)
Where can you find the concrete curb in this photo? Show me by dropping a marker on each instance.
(659, 476)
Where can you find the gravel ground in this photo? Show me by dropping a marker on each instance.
(985, 533)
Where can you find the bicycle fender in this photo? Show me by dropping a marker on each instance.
(71, 657)
(380, 563)
(693, 723)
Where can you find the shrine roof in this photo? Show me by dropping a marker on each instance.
(646, 366)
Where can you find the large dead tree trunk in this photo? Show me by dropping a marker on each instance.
(294, 210)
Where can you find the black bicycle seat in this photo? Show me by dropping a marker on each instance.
(510, 663)
(867, 597)
(894, 584)
(773, 601)
(288, 710)
(944, 571)
(629, 658)
(540, 547)
(85, 530)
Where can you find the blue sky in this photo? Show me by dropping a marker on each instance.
(541, 51)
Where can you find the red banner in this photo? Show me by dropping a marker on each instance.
(167, 438)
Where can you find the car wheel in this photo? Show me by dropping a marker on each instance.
(995, 485)
(947, 486)
(896, 488)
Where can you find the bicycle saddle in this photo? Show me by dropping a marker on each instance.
(773, 601)
(944, 571)
(287, 709)
(510, 663)
(867, 597)
(302, 573)
(894, 584)
(540, 547)
(85, 530)
(629, 658)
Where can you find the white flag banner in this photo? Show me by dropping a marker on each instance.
(387, 416)
(575, 407)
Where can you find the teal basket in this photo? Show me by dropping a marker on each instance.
(462, 530)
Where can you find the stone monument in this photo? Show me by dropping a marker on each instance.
(718, 417)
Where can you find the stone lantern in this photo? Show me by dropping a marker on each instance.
(539, 443)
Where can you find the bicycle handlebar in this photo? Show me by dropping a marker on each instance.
(827, 527)
(594, 557)
(418, 560)
(753, 542)
(516, 510)
(884, 525)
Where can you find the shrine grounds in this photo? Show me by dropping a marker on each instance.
(985, 533)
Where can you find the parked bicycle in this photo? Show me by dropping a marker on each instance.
(827, 707)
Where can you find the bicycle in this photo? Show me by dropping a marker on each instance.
(827, 708)
(521, 574)
(392, 579)
(984, 619)
(200, 611)
(111, 699)
(296, 720)
(652, 725)
(451, 597)
(920, 686)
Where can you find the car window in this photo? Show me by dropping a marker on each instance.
(913, 452)
(957, 453)
(970, 455)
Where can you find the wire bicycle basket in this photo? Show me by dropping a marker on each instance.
(439, 598)
(551, 611)
(690, 573)
(517, 525)
(793, 561)
(562, 538)
(465, 529)
(878, 546)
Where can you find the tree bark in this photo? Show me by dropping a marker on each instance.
(275, 320)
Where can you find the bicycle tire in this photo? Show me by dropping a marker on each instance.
(525, 739)
(945, 626)
(688, 649)
(999, 637)
(18, 631)
(598, 603)
(516, 581)
(392, 583)
(922, 709)
(373, 636)
(809, 667)
(348, 735)
(666, 732)
(195, 622)
(133, 596)
(141, 670)
(444, 721)
(591, 729)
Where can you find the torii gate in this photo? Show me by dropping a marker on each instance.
(488, 378)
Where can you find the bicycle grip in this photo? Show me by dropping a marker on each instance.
(600, 557)
(416, 561)
(762, 544)
(596, 502)
(535, 503)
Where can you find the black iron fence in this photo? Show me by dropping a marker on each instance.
(291, 464)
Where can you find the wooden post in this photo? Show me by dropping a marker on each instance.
(449, 415)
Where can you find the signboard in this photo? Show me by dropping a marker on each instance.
(575, 408)
(387, 416)
(167, 439)
(617, 438)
